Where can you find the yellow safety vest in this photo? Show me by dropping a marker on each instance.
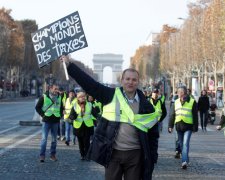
(157, 107)
(118, 110)
(64, 99)
(68, 107)
(184, 112)
(163, 98)
(99, 105)
(50, 109)
(87, 117)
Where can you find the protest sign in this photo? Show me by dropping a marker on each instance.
(61, 37)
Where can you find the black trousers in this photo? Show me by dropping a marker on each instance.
(204, 118)
(125, 164)
(84, 144)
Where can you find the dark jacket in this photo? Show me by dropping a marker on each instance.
(203, 103)
(182, 126)
(106, 131)
(52, 118)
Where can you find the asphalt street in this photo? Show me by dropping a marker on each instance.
(19, 153)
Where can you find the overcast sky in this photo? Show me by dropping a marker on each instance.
(110, 26)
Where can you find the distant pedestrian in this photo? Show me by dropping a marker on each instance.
(222, 121)
(157, 103)
(190, 93)
(177, 144)
(50, 108)
(98, 108)
(184, 114)
(70, 101)
(173, 98)
(203, 107)
(62, 125)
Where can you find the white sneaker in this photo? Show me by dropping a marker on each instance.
(184, 165)
(63, 138)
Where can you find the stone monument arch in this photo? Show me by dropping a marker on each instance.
(100, 61)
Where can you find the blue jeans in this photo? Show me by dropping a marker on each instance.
(68, 128)
(45, 129)
(61, 128)
(177, 144)
(184, 140)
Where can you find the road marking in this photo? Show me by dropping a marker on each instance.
(207, 128)
(7, 148)
(9, 129)
(218, 162)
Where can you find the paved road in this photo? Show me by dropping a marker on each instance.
(19, 152)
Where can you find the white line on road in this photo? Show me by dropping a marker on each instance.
(218, 162)
(7, 148)
(207, 128)
(9, 129)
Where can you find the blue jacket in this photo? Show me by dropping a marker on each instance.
(101, 149)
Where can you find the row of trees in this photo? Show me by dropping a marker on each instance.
(197, 48)
(17, 56)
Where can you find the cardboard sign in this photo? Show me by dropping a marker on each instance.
(59, 38)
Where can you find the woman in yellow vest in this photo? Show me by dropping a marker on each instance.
(81, 114)
(184, 114)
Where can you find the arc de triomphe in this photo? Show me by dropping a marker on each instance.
(100, 61)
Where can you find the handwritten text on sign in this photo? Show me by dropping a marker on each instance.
(60, 37)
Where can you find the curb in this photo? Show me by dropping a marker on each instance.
(16, 99)
(29, 123)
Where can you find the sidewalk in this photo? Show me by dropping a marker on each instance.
(206, 156)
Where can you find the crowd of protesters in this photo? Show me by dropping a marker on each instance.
(114, 125)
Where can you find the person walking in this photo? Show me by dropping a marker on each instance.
(159, 105)
(62, 126)
(177, 144)
(203, 107)
(190, 93)
(222, 121)
(50, 108)
(126, 138)
(70, 101)
(82, 115)
(184, 114)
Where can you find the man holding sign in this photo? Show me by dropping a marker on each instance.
(126, 138)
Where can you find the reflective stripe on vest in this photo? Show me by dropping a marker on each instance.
(54, 109)
(184, 112)
(68, 107)
(87, 117)
(157, 107)
(118, 110)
